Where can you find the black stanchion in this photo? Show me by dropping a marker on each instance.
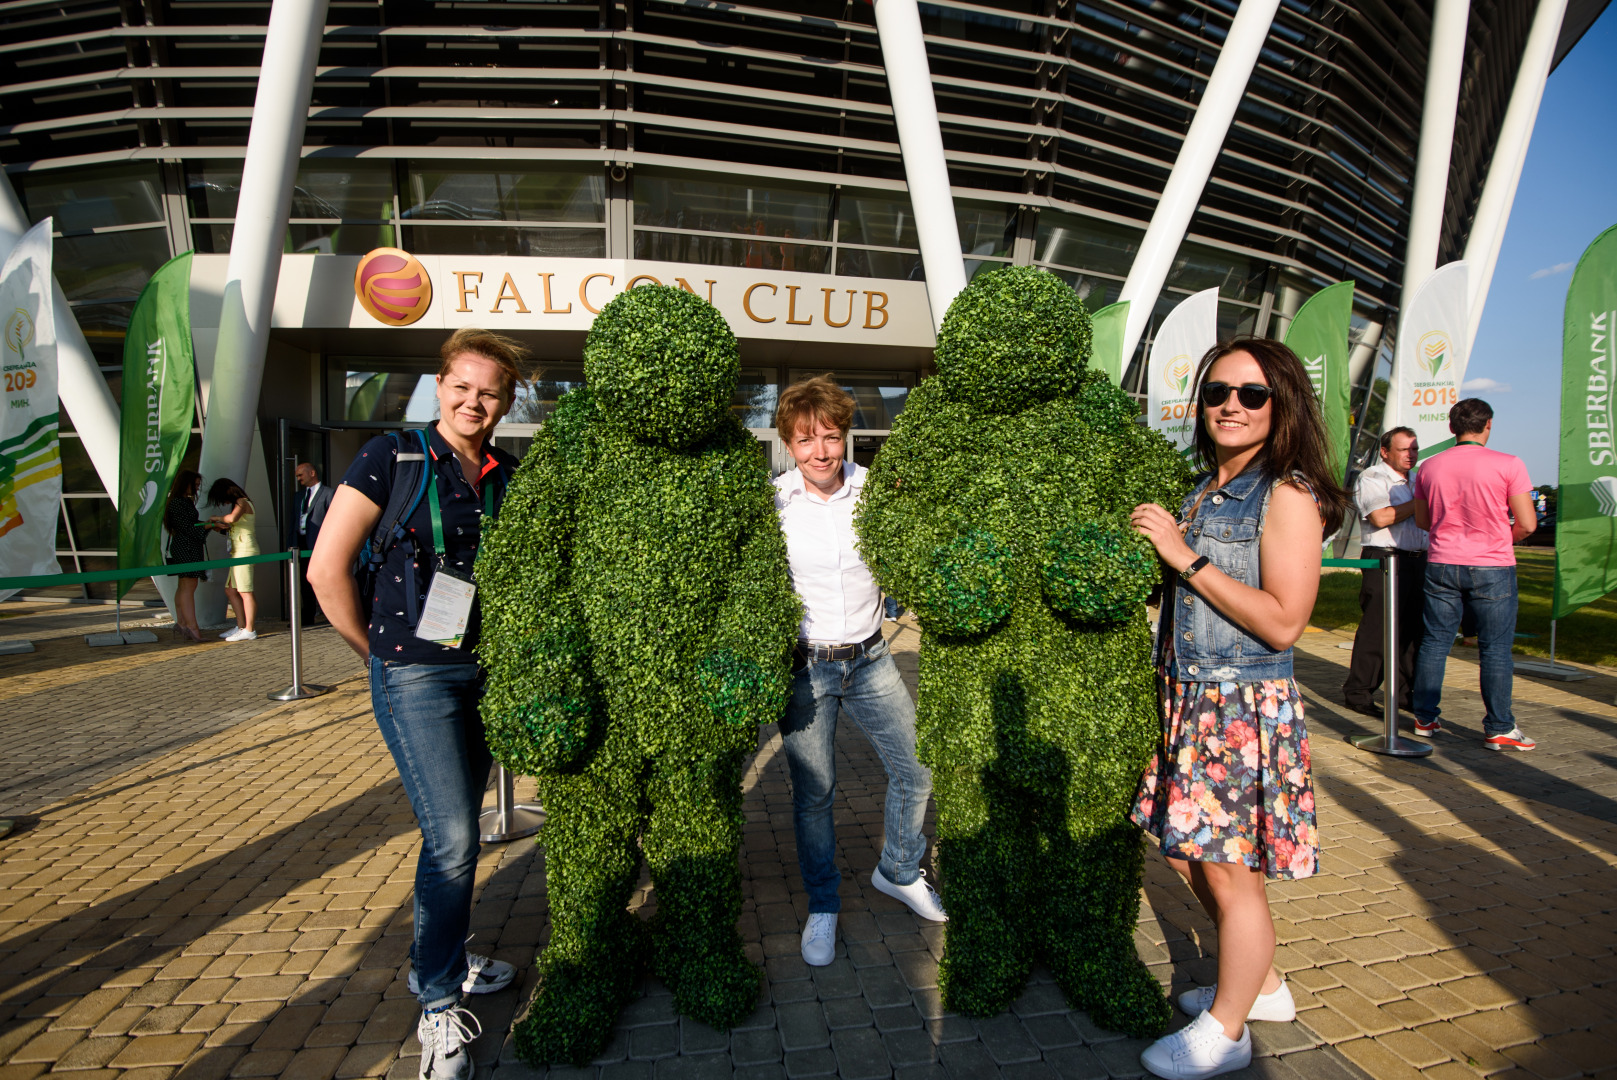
(299, 689)
(507, 819)
(1389, 741)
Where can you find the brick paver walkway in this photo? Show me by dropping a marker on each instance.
(227, 894)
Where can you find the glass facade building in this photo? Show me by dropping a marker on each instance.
(755, 137)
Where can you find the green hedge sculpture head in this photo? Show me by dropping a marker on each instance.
(662, 365)
(1012, 339)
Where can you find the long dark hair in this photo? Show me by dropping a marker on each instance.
(225, 492)
(185, 485)
(1296, 428)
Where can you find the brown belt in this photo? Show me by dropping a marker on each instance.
(808, 652)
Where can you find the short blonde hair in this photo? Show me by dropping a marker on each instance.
(505, 353)
(819, 398)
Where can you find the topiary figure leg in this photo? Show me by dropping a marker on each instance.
(691, 843)
(592, 965)
(1096, 880)
(985, 853)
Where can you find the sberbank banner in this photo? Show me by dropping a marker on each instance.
(1586, 508)
(1430, 363)
(1184, 337)
(159, 401)
(30, 454)
(1319, 337)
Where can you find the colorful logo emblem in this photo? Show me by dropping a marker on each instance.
(1176, 373)
(19, 330)
(393, 286)
(1433, 351)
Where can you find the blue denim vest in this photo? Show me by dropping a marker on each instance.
(1207, 646)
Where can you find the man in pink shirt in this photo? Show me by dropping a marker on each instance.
(1465, 497)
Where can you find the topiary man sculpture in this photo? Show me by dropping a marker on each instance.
(998, 512)
(638, 623)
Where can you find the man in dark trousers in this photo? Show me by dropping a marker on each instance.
(1385, 496)
(313, 502)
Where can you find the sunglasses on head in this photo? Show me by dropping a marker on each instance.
(1251, 395)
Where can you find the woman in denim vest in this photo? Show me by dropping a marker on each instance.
(1228, 794)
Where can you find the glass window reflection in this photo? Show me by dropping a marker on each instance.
(1085, 243)
(84, 199)
(504, 193)
(762, 208)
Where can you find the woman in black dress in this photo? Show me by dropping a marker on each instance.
(185, 545)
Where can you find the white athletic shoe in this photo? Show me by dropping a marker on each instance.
(446, 1038)
(228, 634)
(484, 975)
(241, 634)
(1276, 1006)
(922, 898)
(1198, 1050)
(820, 939)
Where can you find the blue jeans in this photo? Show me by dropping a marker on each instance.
(1491, 593)
(871, 691)
(429, 719)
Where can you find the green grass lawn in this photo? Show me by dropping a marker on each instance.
(1587, 636)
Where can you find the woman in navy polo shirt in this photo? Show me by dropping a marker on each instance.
(425, 684)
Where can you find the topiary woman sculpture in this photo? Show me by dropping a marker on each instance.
(998, 511)
(638, 623)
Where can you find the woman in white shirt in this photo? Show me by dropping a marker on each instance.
(841, 663)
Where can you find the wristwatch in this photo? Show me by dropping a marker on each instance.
(1194, 568)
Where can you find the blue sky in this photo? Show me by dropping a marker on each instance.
(1567, 197)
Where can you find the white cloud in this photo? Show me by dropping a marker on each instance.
(1550, 271)
(1486, 384)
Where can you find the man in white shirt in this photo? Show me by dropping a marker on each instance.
(841, 663)
(1385, 496)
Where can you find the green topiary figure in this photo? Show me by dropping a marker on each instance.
(998, 511)
(638, 622)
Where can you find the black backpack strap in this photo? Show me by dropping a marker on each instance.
(411, 474)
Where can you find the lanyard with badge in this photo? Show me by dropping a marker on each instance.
(449, 597)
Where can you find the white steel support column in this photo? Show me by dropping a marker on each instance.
(79, 383)
(915, 110)
(274, 145)
(1442, 104)
(1510, 153)
(1180, 196)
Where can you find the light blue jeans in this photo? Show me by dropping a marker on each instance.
(1491, 591)
(429, 720)
(870, 690)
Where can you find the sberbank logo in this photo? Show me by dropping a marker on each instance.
(19, 330)
(1432, 351)
(392, 286)
(1605, 491)
(1176, 374)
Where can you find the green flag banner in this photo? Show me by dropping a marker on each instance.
(1106, 348)
(1586, 511)
(159, 403)
(1319, 337)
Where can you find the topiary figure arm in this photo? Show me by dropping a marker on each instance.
(1099, 572)
(745, 679)
(540, 706)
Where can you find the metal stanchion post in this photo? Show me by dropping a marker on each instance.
(299, 689)
(507, 819)
(1389, 741)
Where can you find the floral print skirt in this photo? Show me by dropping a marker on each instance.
(1231, 782)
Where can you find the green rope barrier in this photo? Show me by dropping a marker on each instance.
(133, 572)
(1363, 564)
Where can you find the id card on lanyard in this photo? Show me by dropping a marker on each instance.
(448, 610)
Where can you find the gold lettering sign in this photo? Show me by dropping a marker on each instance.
(460, 284)
(583, 291)
(746, 301)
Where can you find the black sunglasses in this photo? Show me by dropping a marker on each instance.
(1251, 395)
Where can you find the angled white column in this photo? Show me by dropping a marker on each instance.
(1442, 104)
(1180, 196)
(79, 383)
(1510, 153)
(274, 144)
(915, 110)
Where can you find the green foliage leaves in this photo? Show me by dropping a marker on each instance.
(663, 364)
(1100, 572)
(1014, 338)
(638, 621)
(997, 511)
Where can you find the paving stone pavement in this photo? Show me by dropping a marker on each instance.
(234, 900)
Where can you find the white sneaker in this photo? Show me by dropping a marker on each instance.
(1199, 1049)
(820, 939)
(242, 634)
(484, 975)
(446, 1038)
(228, 634)
(922, 898)
(1276, 1006)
